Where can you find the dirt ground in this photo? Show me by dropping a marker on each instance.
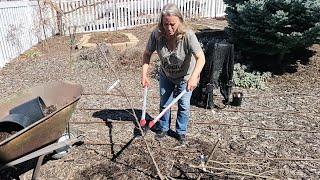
(274, 134)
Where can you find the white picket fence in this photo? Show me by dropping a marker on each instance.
(20, 28)
(102, 15)
(21, 25)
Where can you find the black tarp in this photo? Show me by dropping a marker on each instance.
(218, 69)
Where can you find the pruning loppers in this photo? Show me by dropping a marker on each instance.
(153, 122)
(144, 107)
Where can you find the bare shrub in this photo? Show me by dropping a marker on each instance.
(130, 58)
(96, 54)
(155, 71)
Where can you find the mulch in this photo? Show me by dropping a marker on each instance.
(273, 134)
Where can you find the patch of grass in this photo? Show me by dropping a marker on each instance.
(32, 53)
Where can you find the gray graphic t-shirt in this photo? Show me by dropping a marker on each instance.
(178, 64)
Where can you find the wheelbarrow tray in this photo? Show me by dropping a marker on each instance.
(63, 95)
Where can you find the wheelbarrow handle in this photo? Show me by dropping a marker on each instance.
(153, 122)
(144, 107)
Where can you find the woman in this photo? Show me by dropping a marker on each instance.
(182, 60)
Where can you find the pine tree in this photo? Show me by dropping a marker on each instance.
(273, 27)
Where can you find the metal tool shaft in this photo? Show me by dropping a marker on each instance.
(152, 123)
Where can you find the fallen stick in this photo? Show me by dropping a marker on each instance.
(213, 122)
(280, 94)
(234, 171)
(122, 144)
(268, 111)
(231, 110)
(101, 109)
(256, 127)
(156, 97)
(246, 164)
(99, 122)
(275, 159)
(210, 155)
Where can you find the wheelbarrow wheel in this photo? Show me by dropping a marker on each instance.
(61, 152)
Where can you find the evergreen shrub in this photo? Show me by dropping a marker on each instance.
(273, 27)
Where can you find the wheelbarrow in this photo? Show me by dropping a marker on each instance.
(41, 137)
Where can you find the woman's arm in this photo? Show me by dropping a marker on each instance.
(200, 61)
(145, 64)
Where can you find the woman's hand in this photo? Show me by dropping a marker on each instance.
(192, 83)
(145, 81)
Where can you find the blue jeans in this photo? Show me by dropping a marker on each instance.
(167, 90)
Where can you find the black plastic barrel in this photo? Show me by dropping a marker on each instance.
(33, 109)
(14, 122)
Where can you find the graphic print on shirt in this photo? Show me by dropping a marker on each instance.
(172, 63)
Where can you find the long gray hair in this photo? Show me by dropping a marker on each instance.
(171, 10)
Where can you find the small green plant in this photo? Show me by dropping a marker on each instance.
(33, 53)
(245, 79)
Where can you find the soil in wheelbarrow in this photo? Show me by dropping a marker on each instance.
(4, 134)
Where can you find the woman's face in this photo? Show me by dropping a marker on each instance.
(170, 24)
